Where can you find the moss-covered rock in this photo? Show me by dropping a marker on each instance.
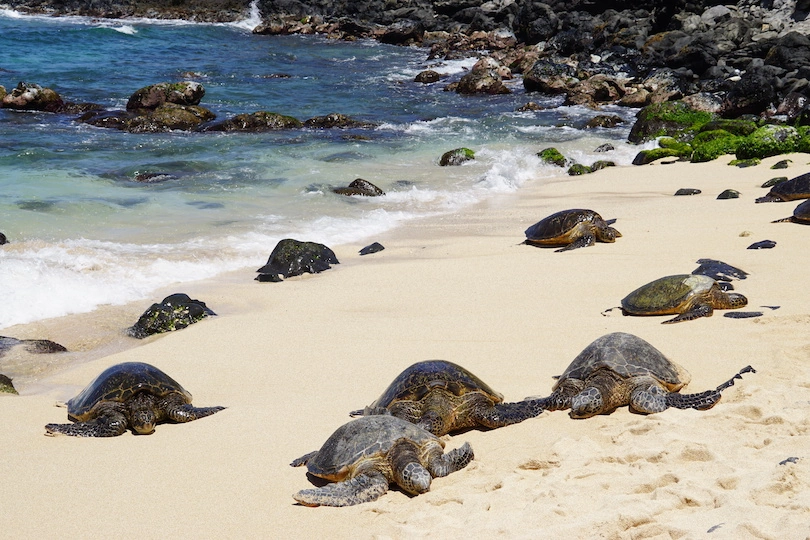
(256, 122)
(6, 387)
(293, 258)
(668, 147)
(156, 95)
(170, 117)
(456, 157)
(174, 312)
(770, 140)
(602, 164)
(743, 163)
(553, 156)
(709, 145)
(578, 169)
(735, 126)
(672, 118)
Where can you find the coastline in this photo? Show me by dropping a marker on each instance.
(290, 360)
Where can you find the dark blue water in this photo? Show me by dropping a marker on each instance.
(84, 233)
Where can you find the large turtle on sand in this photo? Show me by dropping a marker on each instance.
(367, 454)
(130, 395)
(801, 214)
(622, 369)
(442, 397)
(571, 229)
(789, 190)
(688, 296)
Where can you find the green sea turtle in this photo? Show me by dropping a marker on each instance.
(129, 395)
(790, 190)
(801, 214)
(689, 296)
(571, 229)
(622, 369)
(367, 454)
(442, 397)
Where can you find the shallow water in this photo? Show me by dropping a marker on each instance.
(83, 233)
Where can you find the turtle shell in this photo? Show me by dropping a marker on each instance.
(119, 383)
(802, 212)
(667, 294)
(555, 228)
(627, 356)
(791, 190)
(418, 380)
(365, 438)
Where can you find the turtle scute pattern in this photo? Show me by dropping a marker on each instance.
(363, 457)
(131, 395)
(571, 229)
(443, 397)
(801, 215)
(621, 369)
(688, 296)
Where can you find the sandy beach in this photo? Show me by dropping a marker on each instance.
(290, 360)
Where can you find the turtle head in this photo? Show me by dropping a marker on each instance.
(737, 300)
(587, 403)
(142, 416)
(607, 234)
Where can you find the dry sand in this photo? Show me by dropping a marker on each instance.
(290, 360)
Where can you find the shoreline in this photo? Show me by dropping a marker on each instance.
(290, 360)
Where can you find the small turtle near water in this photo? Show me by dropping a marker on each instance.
(367, 454)
(130, 395)
(443, 397)
(571, 229)
(801, 215)
(621, 369)
(790, 190)
(688, 296)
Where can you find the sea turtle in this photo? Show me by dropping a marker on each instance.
(622, 369)
(689, 296)
(129, 395)
(801, 214)
(789, 190)
(367, 454)
(441, 397)
(571, 229)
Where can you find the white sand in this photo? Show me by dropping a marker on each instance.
(290, 360)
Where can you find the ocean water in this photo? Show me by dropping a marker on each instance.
(84, 234)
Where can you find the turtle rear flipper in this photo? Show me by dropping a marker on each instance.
(303, 460)
(505, 414)
(704, 400)
(583, 241)
(702, 310)
(456, 459)
(101, 426)
(365, 487)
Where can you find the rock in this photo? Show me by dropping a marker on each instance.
(718, 270)
(427, 77)
(256, 122)
(530, 106)
(773, 181)
(671, 118)
(294, 258)
(372, 248)
(484, 78)
(174, 312)
(763, 244)
(769, 140)
(752, 94)
(595, 91)
(549, 77)
(335, 120)
(32, 97)
(360, 187)
(6, 387)
(604, 121)
(688, 191)
(403, 32)
(606, 147)
(169, 117)
(156, 95)
(33, 346)
(456, 157)
(729, 194)
(781, 164)
(577, 169)
(3, 239)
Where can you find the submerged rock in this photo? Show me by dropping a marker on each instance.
(174, 312)
(293, 258)
(256, 122)
(360, 187)
(456, 157)
(33, 346)
(157, 95)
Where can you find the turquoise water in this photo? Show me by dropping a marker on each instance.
(83, 233)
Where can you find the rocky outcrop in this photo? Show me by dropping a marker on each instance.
(293, 258)
(32, 97)
(174, 312)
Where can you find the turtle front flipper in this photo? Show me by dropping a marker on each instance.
(700, 310)
(185, 412)
(648, 399)
(366, 487)
(441, 465)
(505, 414)
(409, 474)
(704, 400)
(582, 241)
(110, 425)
